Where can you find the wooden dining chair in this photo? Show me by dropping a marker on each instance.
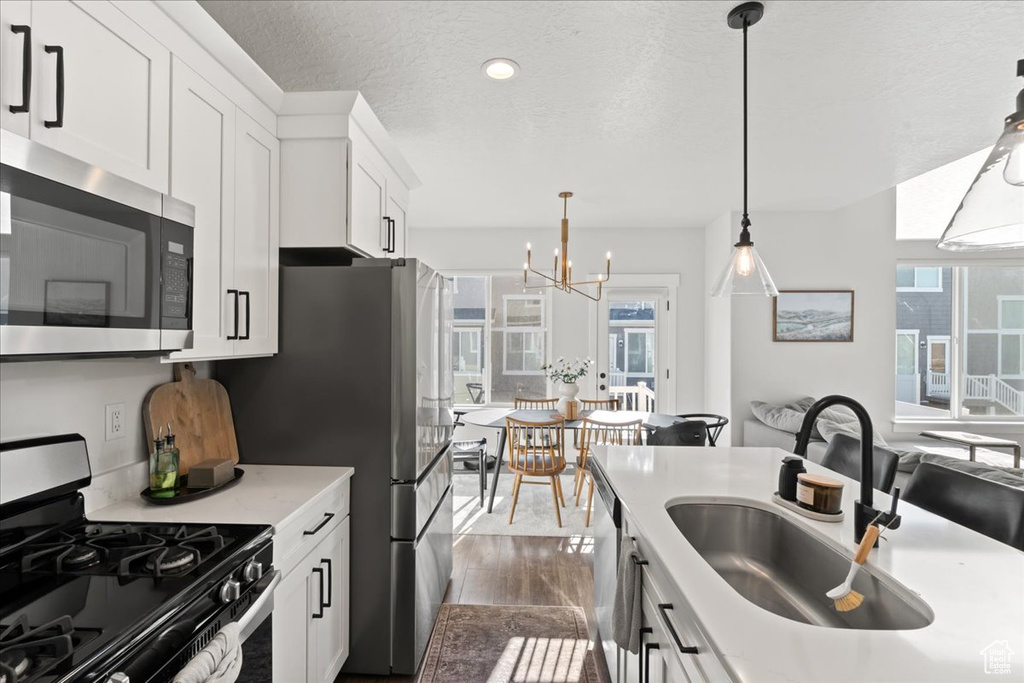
(600, 404)
(536, 449)
(605, 434)
(536, 403)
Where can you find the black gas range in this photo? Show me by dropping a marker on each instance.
(110, 602)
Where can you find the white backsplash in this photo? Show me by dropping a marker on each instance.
(58, 397)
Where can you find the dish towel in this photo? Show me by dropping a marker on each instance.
(626, 612)
(218, 662)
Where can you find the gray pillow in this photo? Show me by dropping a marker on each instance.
(909, 460)
(829, 427)
(782, 418)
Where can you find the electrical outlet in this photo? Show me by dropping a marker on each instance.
(114, 428)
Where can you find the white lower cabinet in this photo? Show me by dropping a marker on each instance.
(311, 604)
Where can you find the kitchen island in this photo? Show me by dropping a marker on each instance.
(973, 586)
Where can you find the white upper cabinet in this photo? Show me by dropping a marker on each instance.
(369, 229)
(202, 174)
(15, 65)
(227, 166)
(338, 188)
(257, 233)
(100, 89)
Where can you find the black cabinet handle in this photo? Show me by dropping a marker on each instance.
(328, 516)
(602, 387)
(330, 579)
(319, 614)
(247, 316)
(393, 241)
(59, 121)
(26, 69)
(387, 234)
(236, 293)
(639, 659)
(647, 660)
(686, 650)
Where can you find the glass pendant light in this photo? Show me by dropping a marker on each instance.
(746, 272)
(991, 215)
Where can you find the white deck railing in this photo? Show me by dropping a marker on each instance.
(938, 385)
(637, 397)
(991, 388)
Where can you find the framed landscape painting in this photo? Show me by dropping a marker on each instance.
(813, 316)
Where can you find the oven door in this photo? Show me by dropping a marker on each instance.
(90, 263)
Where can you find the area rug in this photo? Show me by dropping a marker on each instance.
(509, 644)
(535, 511)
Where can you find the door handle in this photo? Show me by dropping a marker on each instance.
(328, 516)
(59, 121)
(684, 649)
(236, 293)
(319, 614)
(26, 69)
(387, 234)
(330, 579)
(247, 316)
(647, 660)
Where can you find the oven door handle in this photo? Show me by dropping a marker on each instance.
(261, 607)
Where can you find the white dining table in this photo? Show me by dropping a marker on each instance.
(495, 419)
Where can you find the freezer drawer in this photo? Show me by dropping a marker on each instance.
(421, 571)
(412, 504)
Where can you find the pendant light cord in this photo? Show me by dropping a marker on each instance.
(745, 234)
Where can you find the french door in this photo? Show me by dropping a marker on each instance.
(633, 344)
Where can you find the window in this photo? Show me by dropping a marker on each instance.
(919, 278)
(1011, 337)
(500, 340)
(960, 346)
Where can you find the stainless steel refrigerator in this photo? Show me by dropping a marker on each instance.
(363, 378)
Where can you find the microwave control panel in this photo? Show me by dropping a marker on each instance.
(176, 267)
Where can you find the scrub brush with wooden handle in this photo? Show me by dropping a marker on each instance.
(843, 595)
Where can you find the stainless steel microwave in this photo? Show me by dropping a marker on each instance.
(91, 264)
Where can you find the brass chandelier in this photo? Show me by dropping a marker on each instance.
(561, 273)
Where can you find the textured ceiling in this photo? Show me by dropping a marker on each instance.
(635, 106)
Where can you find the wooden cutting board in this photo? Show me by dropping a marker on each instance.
(200, 415)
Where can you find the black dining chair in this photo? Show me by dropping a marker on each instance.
(715, 424)
(472, 453)
(988, 507)
(843, 456)
(687, 433)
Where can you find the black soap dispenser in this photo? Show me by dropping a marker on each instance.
(792, 465)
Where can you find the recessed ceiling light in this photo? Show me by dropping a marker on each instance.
(500, 69)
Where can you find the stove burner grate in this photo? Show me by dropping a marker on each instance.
(65, 554)
(27, 651)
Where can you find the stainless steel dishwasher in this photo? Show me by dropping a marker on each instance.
(607, 537)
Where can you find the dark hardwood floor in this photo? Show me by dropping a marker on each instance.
(516, 570)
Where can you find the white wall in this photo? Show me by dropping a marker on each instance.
(719, 237)
(59, 397)
(852, 248)
(643, 251)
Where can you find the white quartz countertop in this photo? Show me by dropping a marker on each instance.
(973, 584)
(267, 494)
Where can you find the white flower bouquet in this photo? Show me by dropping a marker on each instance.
(567, 372)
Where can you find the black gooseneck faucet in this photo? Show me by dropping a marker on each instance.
(863, 513)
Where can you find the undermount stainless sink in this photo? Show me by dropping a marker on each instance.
(780, 567)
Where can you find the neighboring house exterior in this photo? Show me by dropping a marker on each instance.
(993, 340)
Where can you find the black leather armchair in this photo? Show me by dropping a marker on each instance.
(843, 456)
